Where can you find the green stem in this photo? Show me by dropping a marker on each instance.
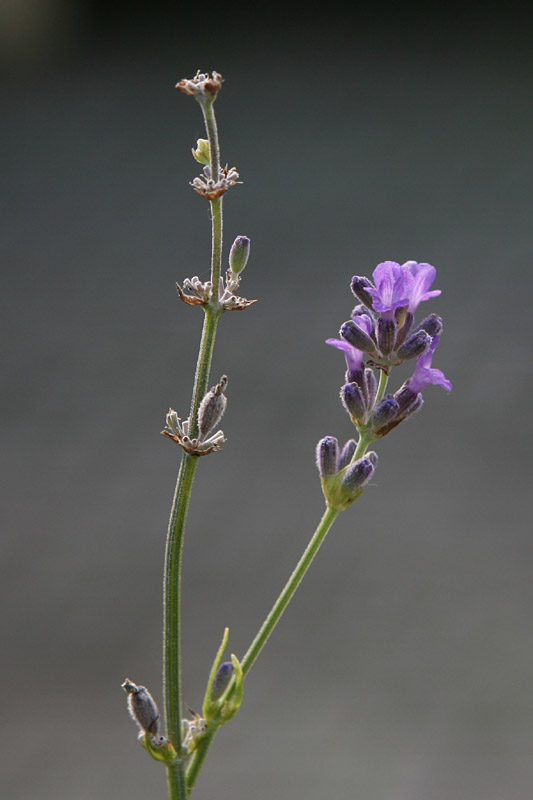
(382, 385)
(330, 515)
(172, 687)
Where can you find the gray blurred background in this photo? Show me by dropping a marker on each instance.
(402, 670)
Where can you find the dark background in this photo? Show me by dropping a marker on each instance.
(403, 667)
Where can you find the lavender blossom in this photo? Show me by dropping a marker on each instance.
(401, 285)
(423, 276)
(425, 374)
(392, 290)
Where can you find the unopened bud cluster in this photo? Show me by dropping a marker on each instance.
(342, 478)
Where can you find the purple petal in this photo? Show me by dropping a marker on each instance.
(393, 287)
(363, 320)
(354, 357)
(425, 374)
(423, 276)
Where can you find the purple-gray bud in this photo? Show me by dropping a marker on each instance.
(222, 679)
(360, 473)
(386, 335)
(355, 336)
(239, 253)
(327, 456)
(409, 403)
(384, 412)
(212, 408)
(353, 401)
(373, 458)
(432, 325)
(405, 397)
(370, 386)
(359, 286)
(414, 346)
(347, 453)
(142, 707)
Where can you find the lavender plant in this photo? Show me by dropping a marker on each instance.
(380, 335)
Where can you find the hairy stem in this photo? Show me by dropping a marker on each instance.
(172, 687)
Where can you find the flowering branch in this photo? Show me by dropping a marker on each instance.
(378, 337)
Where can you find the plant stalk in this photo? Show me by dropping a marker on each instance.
(172, 686)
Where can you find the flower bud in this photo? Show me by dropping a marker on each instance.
(356, 336)
(347, 452)
(202, 154)
(142, 707)
(238, 255)
(359, 287)
(373, 458)
(405, 397)
(354, 402)
(327, 453)
(384, 412)
(386, 335)
(222, 679)
(414, 346)
(359, 473)
(370, 386)
(212, 408)
(408, 403)
(432, 325)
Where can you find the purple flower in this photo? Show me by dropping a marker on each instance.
(423, 276)
(399, 285)
(393, 286)
(425, 374)
(354, 356)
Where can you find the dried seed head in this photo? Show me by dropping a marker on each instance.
(202, 85)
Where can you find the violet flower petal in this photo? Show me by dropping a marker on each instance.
(425, 374)
(423, 276)
(393, 288)
(354, 357)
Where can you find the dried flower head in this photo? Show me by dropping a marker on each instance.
(207, 187)
(201, 85)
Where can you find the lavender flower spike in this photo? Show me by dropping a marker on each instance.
(425, 374)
